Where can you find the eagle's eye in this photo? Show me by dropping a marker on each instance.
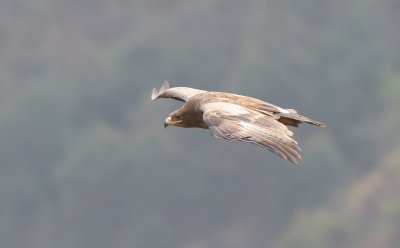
(177, 117)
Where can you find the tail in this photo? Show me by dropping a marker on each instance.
(292, 118)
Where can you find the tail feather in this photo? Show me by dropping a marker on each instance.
(294, 119)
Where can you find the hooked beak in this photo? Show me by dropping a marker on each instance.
(167, 122)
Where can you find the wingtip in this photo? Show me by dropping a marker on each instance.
(292, 159)
(295, 158)
(154, 94)
(164, 86)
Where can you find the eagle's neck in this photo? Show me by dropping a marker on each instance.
(192, 115)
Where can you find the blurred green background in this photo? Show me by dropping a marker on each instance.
(85, 160)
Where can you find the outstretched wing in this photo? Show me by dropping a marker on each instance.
(235, 122)
(178, 93)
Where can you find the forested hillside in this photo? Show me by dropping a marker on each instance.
(85, 160)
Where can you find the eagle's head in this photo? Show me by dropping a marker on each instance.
(185, 117)
(175, 119)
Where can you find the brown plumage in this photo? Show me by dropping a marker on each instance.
(236, 117)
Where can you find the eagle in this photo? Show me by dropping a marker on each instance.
(236, 117)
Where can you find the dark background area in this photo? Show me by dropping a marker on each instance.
(85, 160)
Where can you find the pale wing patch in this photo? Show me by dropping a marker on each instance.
(226, 108)
(282, 110)
(246, 125)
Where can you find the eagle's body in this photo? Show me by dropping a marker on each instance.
(236, 117)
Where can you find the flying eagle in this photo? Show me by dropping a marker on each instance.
(236, 117)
